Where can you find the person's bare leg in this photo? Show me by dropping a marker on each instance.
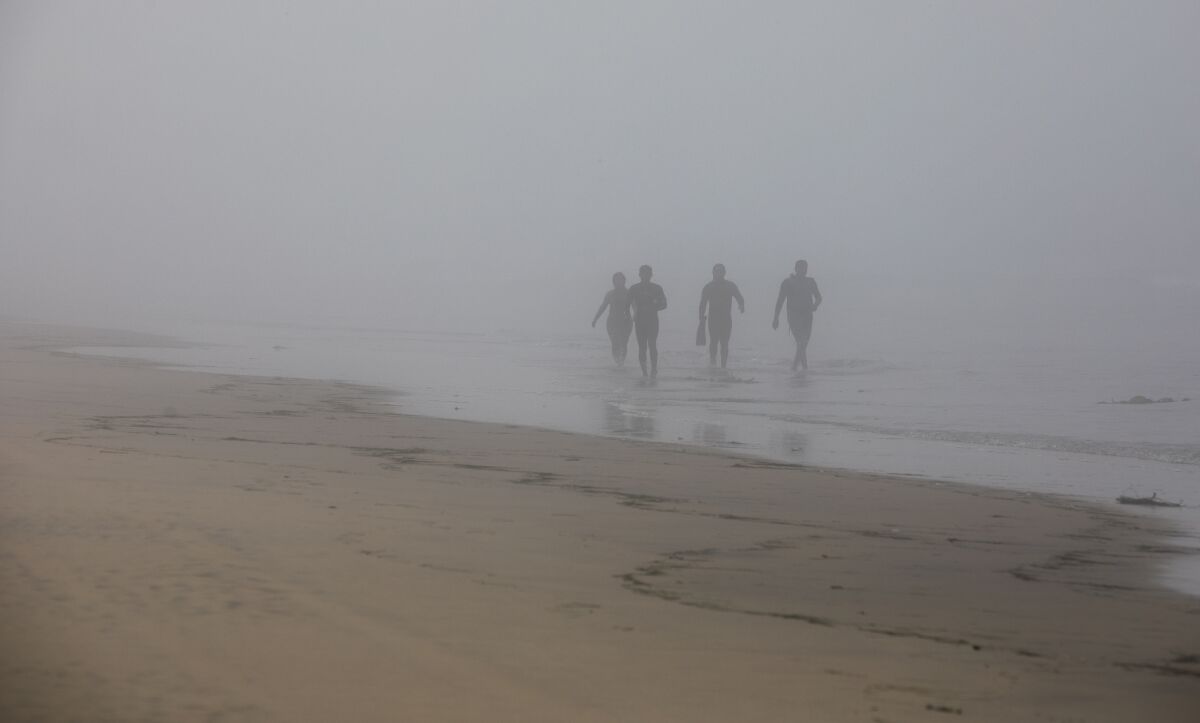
(724, 351)
(643, 341)
(712, 350)
(802, 346)
(801, 331)
(653, 344)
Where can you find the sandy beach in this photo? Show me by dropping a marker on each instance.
(180, 546)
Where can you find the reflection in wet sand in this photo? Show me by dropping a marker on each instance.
(791, 443)
(709, 434)
(618, 421)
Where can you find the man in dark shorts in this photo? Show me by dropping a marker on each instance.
(647, 299)
(802, 296)
(718, 296)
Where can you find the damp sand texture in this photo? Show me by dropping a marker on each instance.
(176, 546)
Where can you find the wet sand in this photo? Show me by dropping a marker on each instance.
(178, 546)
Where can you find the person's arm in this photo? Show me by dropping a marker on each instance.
(779, 303)
(604, 304)
(816, 295)
(703, 301)
(741, 302)
(662, 299)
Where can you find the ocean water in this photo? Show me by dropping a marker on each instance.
(1031, 417)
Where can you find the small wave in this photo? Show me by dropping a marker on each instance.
(1146, 451)
(722, 379)
(846, 367)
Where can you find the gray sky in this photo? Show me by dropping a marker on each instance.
(397, 164)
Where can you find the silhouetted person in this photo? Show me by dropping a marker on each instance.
(718, 296)
(620, 323)
(647, 299)
(802, 296)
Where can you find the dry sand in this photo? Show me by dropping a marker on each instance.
(177, 546)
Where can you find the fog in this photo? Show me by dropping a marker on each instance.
(1024, 166)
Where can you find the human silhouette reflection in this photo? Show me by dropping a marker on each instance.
(793, 444)
(619, 422)
(709, 434)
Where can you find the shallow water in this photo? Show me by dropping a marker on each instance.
(1028, 420)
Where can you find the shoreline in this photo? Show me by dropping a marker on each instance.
(1184, 576)
(537, 574)
(386, 400)
(596, 399)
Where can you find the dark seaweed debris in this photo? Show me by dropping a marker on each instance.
(1139, 399)
(1151, 501)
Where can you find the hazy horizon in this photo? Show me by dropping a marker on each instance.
(489, 165)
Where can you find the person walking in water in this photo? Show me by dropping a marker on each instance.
(620, 323)
(803, 297)
(718, 296)
(647, 299)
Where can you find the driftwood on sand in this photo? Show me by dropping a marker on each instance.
(1151, 501)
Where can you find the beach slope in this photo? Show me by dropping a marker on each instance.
(180, 546)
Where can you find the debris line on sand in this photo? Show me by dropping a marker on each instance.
(1151, 501)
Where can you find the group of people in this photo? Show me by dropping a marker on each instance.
(635, 309)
